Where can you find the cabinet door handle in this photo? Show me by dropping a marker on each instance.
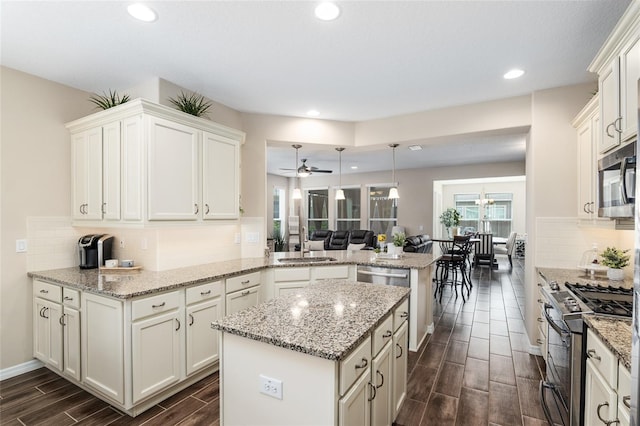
(178, 321)
(404, 315)
(67, 298)
(540, 341)
(206, 209)
(540, 319)
(159, 306)
(592, 209)
(378, 373)
(585, 208)
(43, 291)
(205, 293)
(540, 301)
(104, 210)
(61, 321)
(44, 312)
(400, 354)
(373, 391)
(608, 127)
(363, 364)
(387, 334)
(245, 282)
(606, 422)
(539, 284)
(244, 293)
(197, 209)
(80, 209)
(591, 353)
(617, 125)
(191, 320)
(627, 401)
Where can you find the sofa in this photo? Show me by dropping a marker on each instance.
(326, 239)
(418, 244)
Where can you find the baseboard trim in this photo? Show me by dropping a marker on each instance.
(16, 370)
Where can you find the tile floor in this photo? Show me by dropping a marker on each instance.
(473, 370)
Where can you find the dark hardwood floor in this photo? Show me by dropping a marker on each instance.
(473, 370)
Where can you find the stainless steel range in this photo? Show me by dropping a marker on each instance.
(561, 392)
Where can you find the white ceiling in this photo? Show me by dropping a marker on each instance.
(378, 59)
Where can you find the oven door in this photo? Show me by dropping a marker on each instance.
(556, 403)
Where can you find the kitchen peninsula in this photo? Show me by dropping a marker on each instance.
(331, 354)
(99, 329)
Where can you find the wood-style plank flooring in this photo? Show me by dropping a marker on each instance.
(473, 370)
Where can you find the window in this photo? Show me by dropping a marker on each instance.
(318, 209)
(348, 210)
(278, 212)
(383, 212)
(469, 210)
(499, 214)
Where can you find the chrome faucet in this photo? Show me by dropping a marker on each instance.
(303, 239)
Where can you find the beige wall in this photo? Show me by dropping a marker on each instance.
(36, 181)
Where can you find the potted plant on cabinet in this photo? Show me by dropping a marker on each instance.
(615, 259)
(450, 218)
(398, 243)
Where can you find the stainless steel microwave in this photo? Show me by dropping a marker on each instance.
(617, 183)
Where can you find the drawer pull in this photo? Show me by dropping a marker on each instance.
(205, 293)
(363, 364)
(540, 301)
(191, 320)
(381, 379)
(627, 401)
(539, 319)
(197, 209)
(540, 341)
(159, 306)
(61, 321)
(43, 291)
(387, 334)
(206, 209)
(539, 284)
(244, 293)
(399, 347)
(373, 392)
(404, 315)
(67, 298)
(606, 422)
(591, 353)
(245, 282)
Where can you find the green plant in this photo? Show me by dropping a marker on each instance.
(278, 239)
(106, 101)
(450, 217)
(398, 239)
(615, 258)
(194, 103)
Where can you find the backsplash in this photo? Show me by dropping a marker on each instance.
(53, 243)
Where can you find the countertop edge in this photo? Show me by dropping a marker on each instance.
(594, 321)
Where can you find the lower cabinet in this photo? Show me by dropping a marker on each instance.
(600, 400)
(71, 342)
(354, 407)
(381, 377)
(204, 305)
(400, 349)
(242, 292)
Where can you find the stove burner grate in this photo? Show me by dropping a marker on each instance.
(604, 299)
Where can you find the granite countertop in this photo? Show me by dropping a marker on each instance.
(124, 285)
(580, 276)
(327, 319)
(615, 333)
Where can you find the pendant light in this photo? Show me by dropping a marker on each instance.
(393, 191)
(297, 194)
(339, 191)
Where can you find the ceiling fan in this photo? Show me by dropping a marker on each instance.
(304, 170)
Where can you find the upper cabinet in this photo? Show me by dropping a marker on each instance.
(587, 125)
(618, 67)
(141, 162)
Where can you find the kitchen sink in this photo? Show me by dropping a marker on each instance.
(306, 259)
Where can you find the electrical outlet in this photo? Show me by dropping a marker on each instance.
(236, 238)
(271, 387)
(121, 243)
(21, 246)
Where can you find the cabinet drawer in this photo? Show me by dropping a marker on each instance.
(382, 334)
(400, 314)
(336, 271)
(291, 274)
(155, 304)
(47, 291)
(71, 297)
(602, 358)
(242, 281)
(354, 365)
(241, 300)
(203, 292)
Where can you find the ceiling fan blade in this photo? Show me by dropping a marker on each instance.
(290, 170)
(314, 170)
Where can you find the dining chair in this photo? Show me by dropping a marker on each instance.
(484, 252)
(509, 247)
(452, 266)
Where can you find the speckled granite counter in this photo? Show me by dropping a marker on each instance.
(138, 283)
(327, 319)
(581, 277)
(615, 333)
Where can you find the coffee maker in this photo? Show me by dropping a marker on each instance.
(94, 249)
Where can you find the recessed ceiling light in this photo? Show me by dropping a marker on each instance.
(313, 113)
(514, 73)
(142, 12)
(327, 11)
(415, 147)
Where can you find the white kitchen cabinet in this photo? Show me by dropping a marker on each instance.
(70, 322)
(204, 305)
(141, 161)
(600, 403)
(381, 378)
(242, 292)
(157, 337)
(618, 67)
(86, 152)
(102, 346)
(588, 133)
(220, 177)
(173, 171)
(354, 407)
(47, 345)
(400, 352)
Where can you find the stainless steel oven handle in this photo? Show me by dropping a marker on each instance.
(623, 180)
(383, 274)
(551, 322)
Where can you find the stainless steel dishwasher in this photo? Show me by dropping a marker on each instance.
(383, 275)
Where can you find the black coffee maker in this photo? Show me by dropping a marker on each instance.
(94, 249)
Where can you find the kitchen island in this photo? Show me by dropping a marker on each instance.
(333, 353)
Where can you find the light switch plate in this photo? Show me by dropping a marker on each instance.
(21, 246)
